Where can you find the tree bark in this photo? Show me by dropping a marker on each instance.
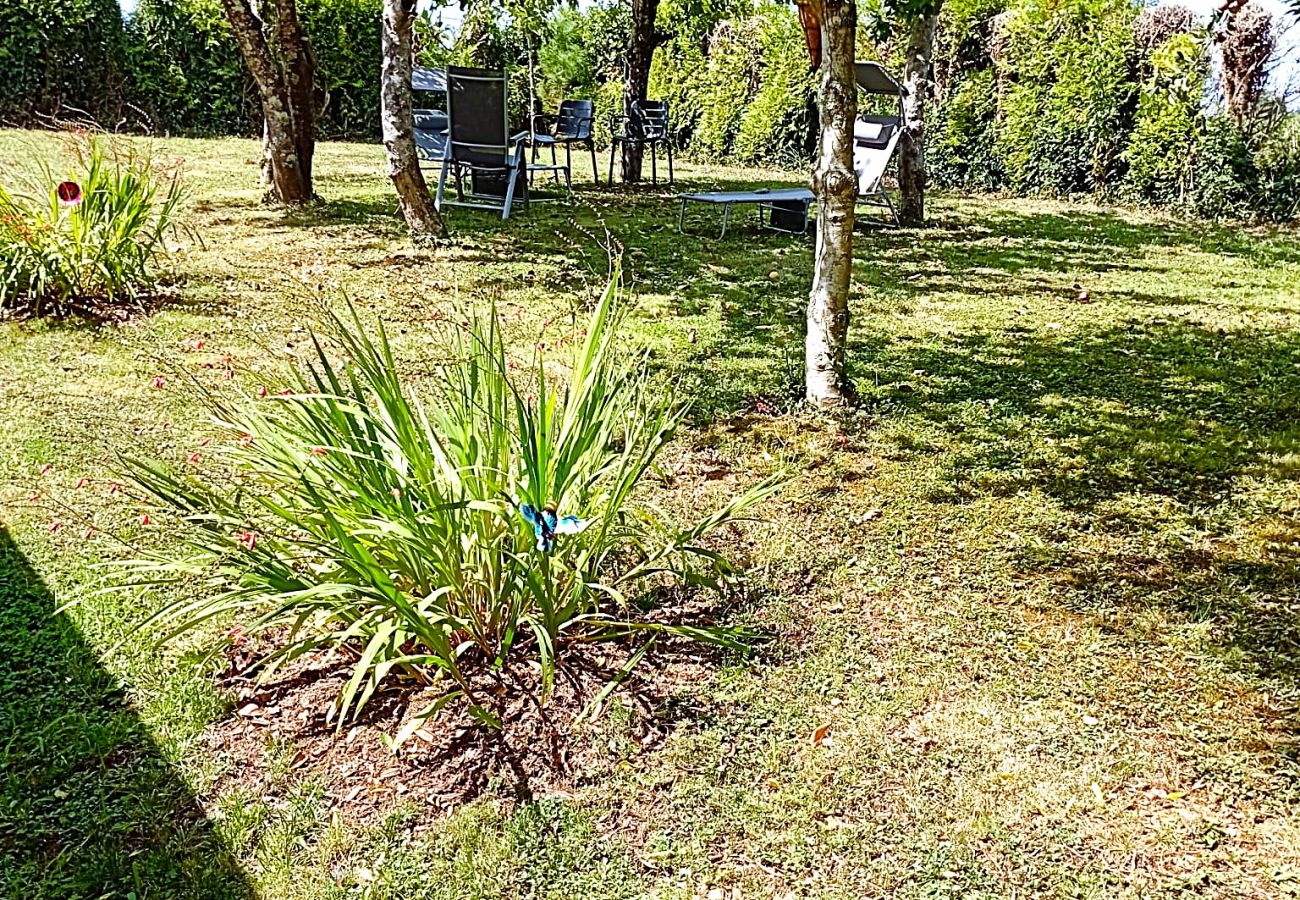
(640, 55)
(299, 68)
(835, 186)
(290, 170)
(399, 122)
(911, 142)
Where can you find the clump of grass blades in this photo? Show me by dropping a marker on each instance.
(362, 515)
(97, 244)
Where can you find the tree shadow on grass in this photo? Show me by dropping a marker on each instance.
(1169, 439)
(89, 807)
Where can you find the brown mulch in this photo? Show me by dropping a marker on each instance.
(282, 732)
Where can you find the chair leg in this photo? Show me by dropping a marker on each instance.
(442, 182)
(654, 168)
(510, 194)
(568, 165)
(595, 169)
(613, 148)
(554, 174)
(668, 145)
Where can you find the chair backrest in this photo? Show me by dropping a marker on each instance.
(648, 120)
(874, 140)
(477, 107)
(574, 120)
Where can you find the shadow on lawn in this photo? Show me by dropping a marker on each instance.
(1159, 436)
(89, 806)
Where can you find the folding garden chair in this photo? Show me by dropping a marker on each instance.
(645, 123)
(479, 143)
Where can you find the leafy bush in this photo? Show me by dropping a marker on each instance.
(95, 236)
(60, 58)
(1068, 103)
(185, 71)
(1161, 153)
(359, 515)
(1224, 176)
(960, 151)
(1277, 192)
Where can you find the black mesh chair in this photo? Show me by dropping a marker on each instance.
(479, 144)
(571, 125)
(645, 123)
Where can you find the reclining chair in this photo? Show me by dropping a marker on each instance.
(479, 144)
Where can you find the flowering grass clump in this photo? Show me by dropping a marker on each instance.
(89, 239)
(500, 517)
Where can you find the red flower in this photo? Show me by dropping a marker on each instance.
(248, 539)
(159, 381)
(193, 458)
(144, 520)
(319, 451)
(261, 390)
(69, 193)
(55, 526)
(45, 468)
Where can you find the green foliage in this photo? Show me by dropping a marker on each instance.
(185, 71)
(358, 515)
(60, 58)
(1161, 153)
(1067, 107)
(582, 58)
(960, 149)
(103, 247)
(1277, 194)
(745, 93)
(345, 38)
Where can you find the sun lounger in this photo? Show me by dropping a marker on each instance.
(786, 208)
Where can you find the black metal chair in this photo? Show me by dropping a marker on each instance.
(479, 143)
(646, 123)
(571, 125)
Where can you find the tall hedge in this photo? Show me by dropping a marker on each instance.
(61, 58)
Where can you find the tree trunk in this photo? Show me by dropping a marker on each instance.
(290, 170)
(836, 189)
(300, 84)
(399, 122)
(639, 57)
(911, 143)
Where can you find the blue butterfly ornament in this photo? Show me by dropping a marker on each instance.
(547, 525)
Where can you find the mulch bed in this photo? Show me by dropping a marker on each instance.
(282, 731)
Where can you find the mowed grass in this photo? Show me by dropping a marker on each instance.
(1038, 600)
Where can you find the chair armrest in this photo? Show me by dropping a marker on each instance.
(540, 119)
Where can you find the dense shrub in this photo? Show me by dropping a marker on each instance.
(1277, 162)
(61, 58)
(960, 151)
(93, 237)
(185, 70)
(1162, 150)
(1069, 99)
(360, 516)
(745, 93)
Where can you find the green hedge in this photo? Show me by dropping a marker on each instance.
(61, 58)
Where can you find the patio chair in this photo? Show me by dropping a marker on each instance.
(646, 123)
(571, 125)
(876, 137)
(479, 144)
(874, 140)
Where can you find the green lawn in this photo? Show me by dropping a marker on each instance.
(1042, 592)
